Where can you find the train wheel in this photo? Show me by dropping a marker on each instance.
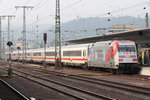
(62, 64)
(66, 65)
(113, 71)
(84, 66)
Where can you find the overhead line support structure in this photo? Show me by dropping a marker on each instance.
(1, 51)
(9, 16)
(146, 20)
(8, 35)
(37, 30)
(24, 44)
(57, 37)
(0, 37)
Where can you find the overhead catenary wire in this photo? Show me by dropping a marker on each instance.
(38, 5)
(129, 7)
(30, 12)
(18, 21)
(73, 4)
(27, 2)
(106, 13)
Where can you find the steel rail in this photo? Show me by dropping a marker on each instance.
(95, 95)
(122, 86)
(16, 91)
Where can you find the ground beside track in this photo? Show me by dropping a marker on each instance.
(31, 89)
(6, 93)
(139, 80)
(145, 71)
(44, 93)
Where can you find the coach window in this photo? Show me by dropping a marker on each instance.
(72, 53)
(75, 53)
(50, 53)
(37, 54)
(28, 54)
(66, 53)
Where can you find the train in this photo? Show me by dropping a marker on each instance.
(113, 55)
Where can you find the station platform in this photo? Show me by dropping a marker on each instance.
(145, 70)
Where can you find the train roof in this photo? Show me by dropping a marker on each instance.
(63, 47)
(77, 45)
(111, 41)
(81, 45)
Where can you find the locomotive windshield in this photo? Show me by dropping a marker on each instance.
(126, 48)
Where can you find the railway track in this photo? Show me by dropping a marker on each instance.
(10, 93)
(126, 87)
(66, 89)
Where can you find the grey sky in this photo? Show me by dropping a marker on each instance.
(71, 9)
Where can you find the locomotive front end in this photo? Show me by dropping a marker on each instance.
(127, 56)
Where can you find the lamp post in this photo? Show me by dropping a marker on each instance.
(45, 41)
(9, 43)
(18, 48)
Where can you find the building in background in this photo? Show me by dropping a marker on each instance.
(122, 28)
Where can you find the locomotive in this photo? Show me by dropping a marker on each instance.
(114, 55)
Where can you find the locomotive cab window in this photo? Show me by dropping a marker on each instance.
(126, 48)
(121, 48)
(130, 48)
